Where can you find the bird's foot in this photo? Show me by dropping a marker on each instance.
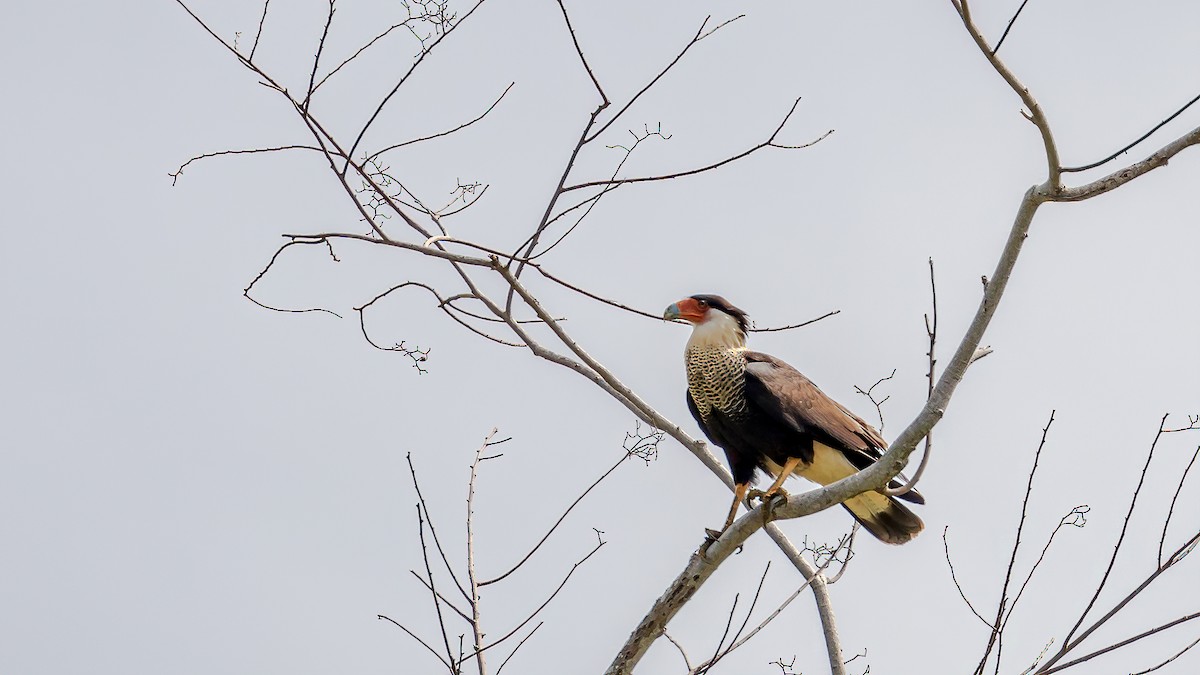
(766, 496)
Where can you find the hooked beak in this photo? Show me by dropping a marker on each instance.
(686, 309)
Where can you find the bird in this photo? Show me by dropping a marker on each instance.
(769, 417)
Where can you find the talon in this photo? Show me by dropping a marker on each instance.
(768, 495)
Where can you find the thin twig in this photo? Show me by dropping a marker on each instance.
(769, 143)
(1129, 147)
(464, 125)
(998, 625)
(870, 394)
(418, 639)
(954, 577)
(476, 625)
(449, 604)
(1174, 498)
(686, 662)
(700, 34)
(1112, 561)
(437, 605)
(519, 645)
(931, 332)
(1122, 643)
(599, 544)
(558, 522)
(265, 270)
(312, 78)
(412, 471)
(1077, 517)
(1177, 655)
(179, 172)
(582, 58)
(261, 21)
(1007, 28)
(404, 78)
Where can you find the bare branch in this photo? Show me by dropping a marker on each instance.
(1007, 28)
(700, 35)
(769, 143)
(1053, 165)
(312, 78)
(437, 605)
(179, 172)
(1067, 644)
(1177, 655)
(519, 645)
(476, 626)
(404, 78)
(870, 394)
(954, 577)
(418, 639)
(998, 624)
(464, 125)
(582, 58)
(599, 544)
(1129, 147)
(686, 662)
(844, 543)
(438, 593)
(1122, 643)
(592, 201)
(412, 471)
(1077, 517)
(403, 24)
(258, 35)
(931, 332)
(1174, 498)
(538, 545)
(265, 270)
(1122, 176)
(793, 326)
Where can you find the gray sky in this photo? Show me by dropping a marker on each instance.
(191, 484)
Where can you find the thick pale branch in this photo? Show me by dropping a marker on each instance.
(1127, 148)
(1118, 178)
(1053, 165)
(893, 461)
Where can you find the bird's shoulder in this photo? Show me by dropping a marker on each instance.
(792, 394)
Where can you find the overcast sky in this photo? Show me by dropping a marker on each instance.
(191, 484)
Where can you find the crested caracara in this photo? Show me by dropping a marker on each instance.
(766, 415)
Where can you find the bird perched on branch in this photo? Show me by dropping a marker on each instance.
(767, 416)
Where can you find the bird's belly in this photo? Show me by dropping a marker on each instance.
(828, 465)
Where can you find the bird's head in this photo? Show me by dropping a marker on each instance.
(714, 321)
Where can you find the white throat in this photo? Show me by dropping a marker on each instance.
(718, 330)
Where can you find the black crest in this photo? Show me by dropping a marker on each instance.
(717, 302)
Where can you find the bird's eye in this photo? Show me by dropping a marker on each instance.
(702, 304)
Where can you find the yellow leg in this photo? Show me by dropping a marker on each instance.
(786, 471)
(739, 493)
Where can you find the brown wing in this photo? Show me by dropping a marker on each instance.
(787, 395)
(784, 394)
